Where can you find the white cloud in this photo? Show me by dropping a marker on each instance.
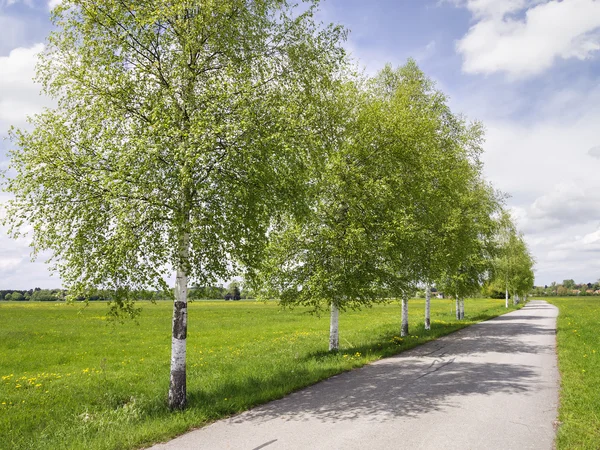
(529, 160)
(492, 8)
(592, 239)
(566, 205)
(594, 151)
(53, 3)
(500, 41)
(19, 96)
(539, 143)
(17, 271)
(7, 264)
(577, 257)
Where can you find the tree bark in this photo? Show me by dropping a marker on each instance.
(334, 336)
(178, 383)
(506, 298)
(462, 308)
(404, 327)
(515, 299)
(427, 307)
(457, 307)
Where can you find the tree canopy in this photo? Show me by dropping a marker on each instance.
(402, 175)
(179, 132)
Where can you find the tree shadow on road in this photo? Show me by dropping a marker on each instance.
(430, 377)
(385, 390)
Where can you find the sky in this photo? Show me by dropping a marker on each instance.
(529, 70)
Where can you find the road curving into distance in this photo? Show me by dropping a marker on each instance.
(493, 385)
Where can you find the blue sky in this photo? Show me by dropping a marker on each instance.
(528, 69)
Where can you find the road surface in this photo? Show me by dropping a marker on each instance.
(493, 385)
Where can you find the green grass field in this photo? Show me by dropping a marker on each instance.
(69, 379)
(578, 340)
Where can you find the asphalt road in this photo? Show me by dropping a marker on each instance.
(493, 385)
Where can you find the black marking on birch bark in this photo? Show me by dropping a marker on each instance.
(427, 322)
(404, 329)
(177, 390)
(179, 325)
(334, 345)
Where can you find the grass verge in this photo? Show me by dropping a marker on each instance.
(70, 380)
(578, 340)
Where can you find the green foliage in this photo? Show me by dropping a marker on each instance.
(16, 296)
(579, 363)
(9, 294)
(402, 173)
(47, 295)
(171, 121)
(86, 383)
(470, 240)
(514, 263)
(233, 291)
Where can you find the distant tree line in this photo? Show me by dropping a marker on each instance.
(232, 292)
(37, 294)
(568, 288)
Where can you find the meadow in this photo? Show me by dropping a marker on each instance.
(578, 339)
(70, 379)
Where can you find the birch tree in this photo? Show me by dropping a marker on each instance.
(514, 264)
(331, 259)
(439, 161)
(180, 130)
(472, 243)
(503, 264)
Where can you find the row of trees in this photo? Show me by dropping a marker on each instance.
(236, 138)
(514, 264)
(400, 202)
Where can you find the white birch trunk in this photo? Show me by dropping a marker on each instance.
(457, 307)
(462, 308)
(515, 299)
(506, 298)
(427, 307)
(177, 387)
(334, 335)
(404, 327)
